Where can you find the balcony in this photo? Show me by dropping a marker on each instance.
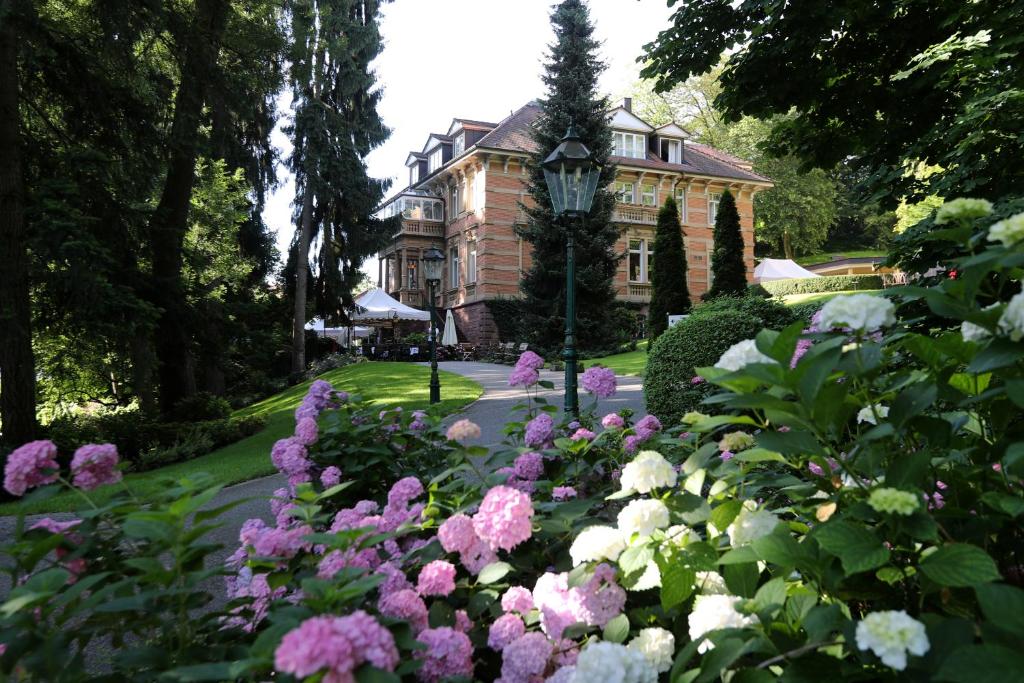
(639, 292)
(409, 297)
(644, 215)
(421, 227)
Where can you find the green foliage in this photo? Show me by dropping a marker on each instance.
(772, 314)
(728, 265)
(825, 283)
(696, 342)
(669, 293)
(802, 206)
(508, 317)
(201, 406)
(571, 77)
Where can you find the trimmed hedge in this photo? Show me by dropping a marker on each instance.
(820, 285)
(772, 314)
(697, 341)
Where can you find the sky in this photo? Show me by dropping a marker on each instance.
(475, 59)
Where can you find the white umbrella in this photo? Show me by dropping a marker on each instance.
(449, 337)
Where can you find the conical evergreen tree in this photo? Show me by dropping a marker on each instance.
(571, 74)
(669, 295)
(730, 272)
(336, 126)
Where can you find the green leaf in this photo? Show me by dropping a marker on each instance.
(857, 548)
(714, 662)
(982, 664)
(998, 354)
(739, 555)
(793, 442)
(676, 583)
(741, 579)
(961, 565)
(493, 572)
(1002, 605)
(617, 630)
(911, 402)
(972, 385)
(779, 548)
(635, 558)
(723, 515)
(371, 674)
(1004, 502)
(753, 676)
(547, 384)
(760, 455)
(771, 595)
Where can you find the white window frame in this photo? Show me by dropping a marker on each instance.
(459, 145)
(412, 274)
(681, 201)
(621, 190)
(453, 204)
(714, 198)
(649, 199)
(471, 262)
(453, 270)
(675, 148)
(414, 174)
(630, 145)
(436, 159)
(642, 252)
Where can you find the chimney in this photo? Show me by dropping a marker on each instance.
(627, 104)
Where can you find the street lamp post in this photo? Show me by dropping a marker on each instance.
(433, 261)
(571, 176)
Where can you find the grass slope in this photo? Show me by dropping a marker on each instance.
(629, 363)
(385, 384)
(793, 299)
(832, 255)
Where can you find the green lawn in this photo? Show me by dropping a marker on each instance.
(629, 363)
(793, 299)
(385, 384)
(828, 256)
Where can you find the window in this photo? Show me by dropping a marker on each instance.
(633, 145)
(649, 262)
(637, 267)
(624, 193)
(478, 191)
(436, 158)
(648, 195)
(713, 199)
(453, 205)
(681, 201)
(471, 262)
(453, 274)
(414, 174)
(460, 144)
(671, 151)
(410, 269)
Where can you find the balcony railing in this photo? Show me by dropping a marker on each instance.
(638, 291)
(645, 215)
(426, 228)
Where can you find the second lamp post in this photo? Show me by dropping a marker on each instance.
(571, 176)
(433, 264)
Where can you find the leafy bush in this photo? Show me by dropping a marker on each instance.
(201, 406)
(772, 314)
(331, 361)
(508, 316)
(692, 343)
(825, 283)
(806, 311)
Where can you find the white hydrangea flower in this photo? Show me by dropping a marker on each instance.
(657, 645)
(680, 535)
(739, 356)
(973, 333)
(858, 312)
(648, 470)
(643, 517)
(893, 501)
(711, 583)
(713, 612)
(612, 663)
(750, 524)
(964, 208)
(1011, 322)
(1009, 231)
(868, 414)
(597, 543)
(563, 675)
(891, 635)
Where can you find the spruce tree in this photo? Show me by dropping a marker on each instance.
(669, 295)
(571, 75)
(727, 265)
(336, 126)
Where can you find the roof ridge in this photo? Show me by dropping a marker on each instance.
(724, 160)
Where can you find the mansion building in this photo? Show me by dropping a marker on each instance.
(466, 188)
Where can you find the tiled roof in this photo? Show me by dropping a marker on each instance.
(514, 132)
(695, 161)
(477, 124)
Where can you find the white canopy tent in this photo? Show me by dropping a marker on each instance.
(338, 334)
(780, 269)
(376, 307)
(449, 337)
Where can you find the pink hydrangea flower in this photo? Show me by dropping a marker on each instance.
(563, 493)
(505, 629)
(463, 624)
(338, 644)
(530, 360)
(477, 556)
(282, 543)
(95, 465)
(436, 578)
(53, 526)
(31, 465)
(289, 456)
(456, 534)
(697, 379)
(802, 347)
(819, 470)
(600, 599)
(529, 466)
(517, 599)
(330, 477)
(647, 427)
(405, 604)
(504, 518)
(631, 443)
(395, 579)
(449, 654)
(463, 430)
(539, 431)
(306, 431)
(403, 491)
(523, 377)
(727, 456)
(613, 421)
(525, 658)
(599, 382)
(582, 434)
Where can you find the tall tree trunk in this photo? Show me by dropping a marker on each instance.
(301, 281)
(170, 221)
(17, 363)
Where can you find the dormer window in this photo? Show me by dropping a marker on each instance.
(632, 145)
(414, 174)
(460, 144)
(672, 151)
(436, 158)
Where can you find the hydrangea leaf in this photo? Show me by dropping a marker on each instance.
(960, 565)
(1002, 605)
(857, 548)
(493, 572)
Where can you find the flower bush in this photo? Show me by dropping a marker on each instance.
(852, 515)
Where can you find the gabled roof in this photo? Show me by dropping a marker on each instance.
(440, 138)
(513, 133)
(413, 157)
(469, 124)
(672, 130)
(695, 162)
(622, 118)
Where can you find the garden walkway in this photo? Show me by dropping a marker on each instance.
(491, 411)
